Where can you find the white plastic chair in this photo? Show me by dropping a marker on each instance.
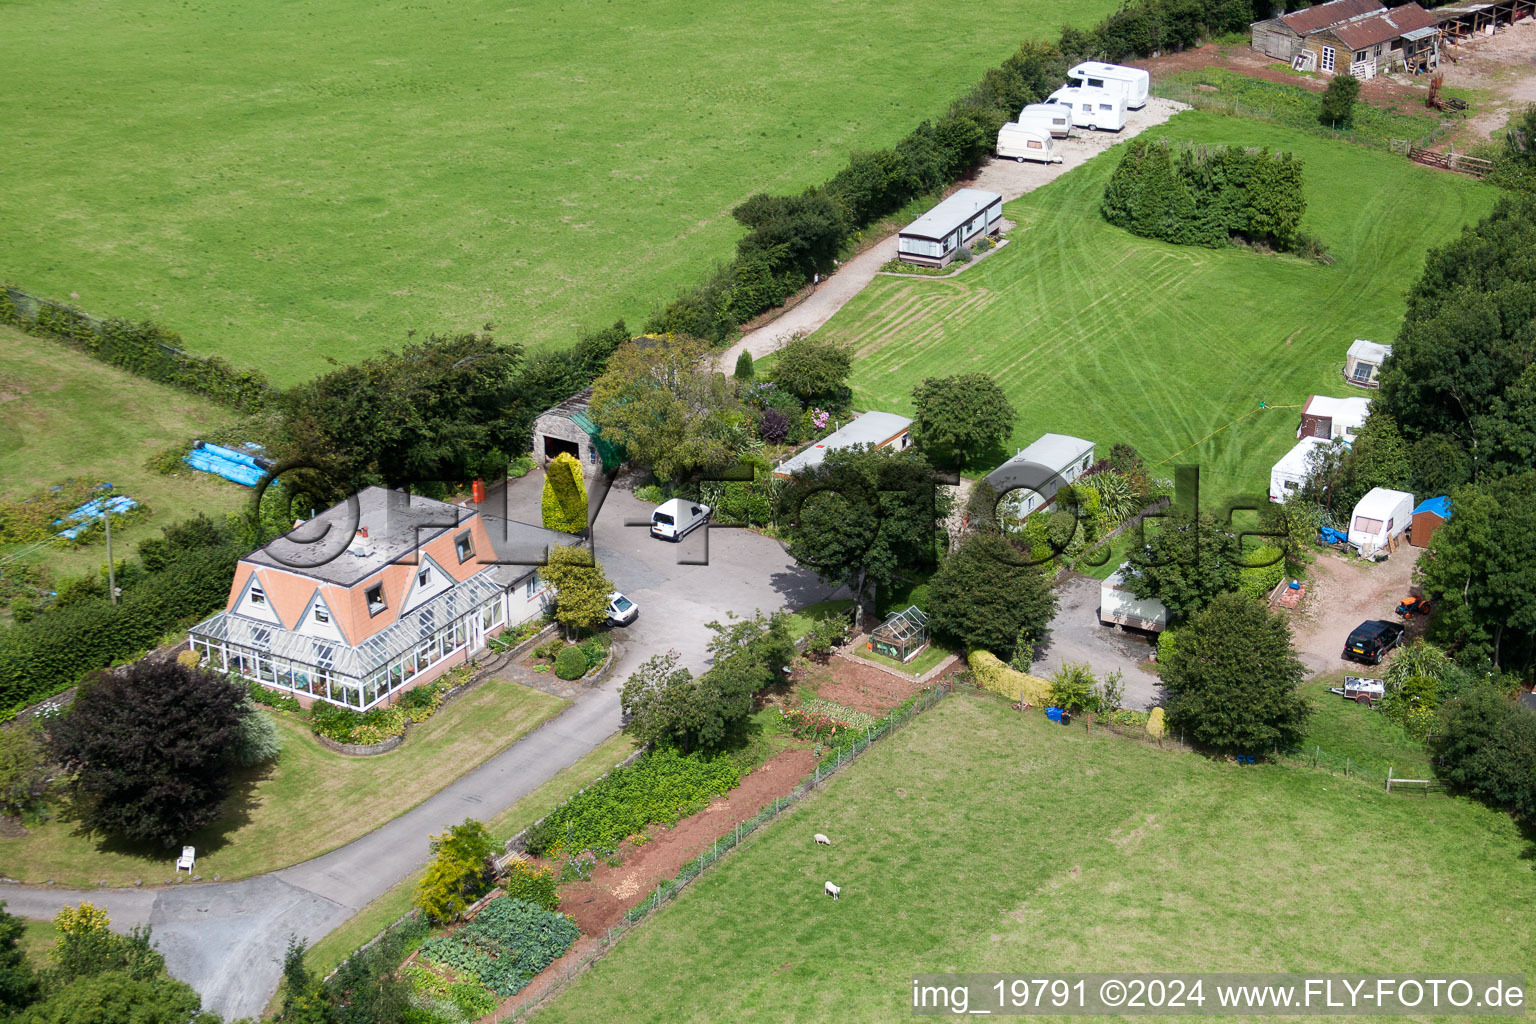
(187, 859)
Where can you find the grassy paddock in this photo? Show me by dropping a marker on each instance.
(286, 184)
(1097, 333)
(981, 840)
(287, 813)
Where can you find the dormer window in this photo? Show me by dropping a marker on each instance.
(257, 597)
(464, 544)
(375, 597)
(321, 615)
(424, 578)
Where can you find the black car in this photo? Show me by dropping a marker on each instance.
(1371, 641)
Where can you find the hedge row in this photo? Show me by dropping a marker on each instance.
(795, 237)
(140, 348)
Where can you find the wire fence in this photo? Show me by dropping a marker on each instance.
(1217, 103)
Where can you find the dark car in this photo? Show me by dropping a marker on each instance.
(1371, 641)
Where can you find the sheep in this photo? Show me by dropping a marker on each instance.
(821, 840)
(833, 890)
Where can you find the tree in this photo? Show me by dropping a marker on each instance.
(814, 369)
(1232, 679)
(1186, 564)
(18, 982)
(304, 995)
(115, 997)
(744, 370)
(801, 232)
(962, 419)
(88, 946)
(459, 872)
(581, 588)
(564, 502)
(862, 515)
(986, 596)
(22, 771)
(1337, 109)
(151, 749)
(1487, 747)
(668, 411)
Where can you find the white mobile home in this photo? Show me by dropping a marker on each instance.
(1031, 478)
(1132, 82)
(1027, 142)
(1290, 472)
(1380, 520)
(1054, 115)
(933, 239)
(1119, 607)
(875, 429)
(1363, 361)
(1094, 109)
(1333, 417)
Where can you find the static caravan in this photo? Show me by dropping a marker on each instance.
(875, 429)
(1026, 142)
(933, 239)
(1363, 362)
(1094, 109)
(1333, 417)
(1119, 607)
(1287, 475)
(1029, 481)
(1132, 82)
(1059, 120)
(1380, 520)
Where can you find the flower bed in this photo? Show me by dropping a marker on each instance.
(505, 945)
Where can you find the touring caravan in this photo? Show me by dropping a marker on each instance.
(1131, 82)
(1379, 521)
(1027, 142)
(1119, 607)
(1052, 114)
(1094, 109)
(1290, 473)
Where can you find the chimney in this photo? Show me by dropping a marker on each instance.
(362, 531)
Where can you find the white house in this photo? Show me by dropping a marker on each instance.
(1290, 472)
(1380, 520)
(1362, 362)
(1030, 480)
(1333, 417)
(876, 429)
(1118, 606)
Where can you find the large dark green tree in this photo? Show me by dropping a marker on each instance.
(1232, 679)
(18, 982)
(961, 420)
(114, 996)
(1486, 746)
(862, 516)
(1186, 563)
(1337, 108)
(151, 749)
(987, 595)
(814, 370)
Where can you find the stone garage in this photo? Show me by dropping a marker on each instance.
(569, 428)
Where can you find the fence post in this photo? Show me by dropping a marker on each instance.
(1346, 767)
(1315, 752)
(1389, 778)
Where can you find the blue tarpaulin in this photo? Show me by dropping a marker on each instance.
(1328, 535)
(86, 515)
(1439, 506)
(228, 463)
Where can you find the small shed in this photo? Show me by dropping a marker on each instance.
(1333, 417)
(876, 429)
(1428, 517)
(902, 636)
(1363, 361)
(933, 239)
(1288, 475)
(1034, 475)
(1119, 607)
(1379, 521)
(569, 429)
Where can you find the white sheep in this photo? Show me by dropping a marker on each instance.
(833, 890)
(822, 840)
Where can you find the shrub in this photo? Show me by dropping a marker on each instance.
(595, 650)
(1167, 641)
(773, 427)
(992, 675)
(422, 702)
(744, 365)
(257, 740)
(344, 725)
(274, 698)
(1337, 109)
(564, 501)
(651, 494)
(1072, 688)
(1157, 724)
(22, 769)
(459, 872)
(532, 883)
(571, 663)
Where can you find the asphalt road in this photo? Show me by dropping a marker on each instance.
(1076, 635)
(227, 939)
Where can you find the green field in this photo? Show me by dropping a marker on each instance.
(980, 840)
(287, 181)
(63, 415)
(1097, 333)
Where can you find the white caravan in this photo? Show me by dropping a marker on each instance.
(1379, 519)
(1094, 109)
(1058, 120)
(1026, 142)
(1132, 82)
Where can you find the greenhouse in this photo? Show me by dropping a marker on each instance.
(902, 636)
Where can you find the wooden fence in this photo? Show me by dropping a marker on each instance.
(1450, 160)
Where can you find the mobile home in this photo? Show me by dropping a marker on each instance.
(1119, 607)
(1291, 471)
(933, 239)
(875, 429)
(1132, 82)
(1029, 481)
(1058, 119)
(1094, 109)
(1027, 142)
(1380, 520)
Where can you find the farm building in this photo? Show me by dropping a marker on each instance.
(1333, 417)
(876, 429)
(1363, 362)
(1035, 474)
(1119, 607)
(1428, 517)
(569, 429)
(1290, 472)
(1363, 37)
(1379, 520)
(933, 239)
(1459, 21)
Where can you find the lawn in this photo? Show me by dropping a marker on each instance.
(925, 660)
(287, 183)
(288, 813)
(1343, 729)
(65, 415)
(980, 840)
(1193, 355)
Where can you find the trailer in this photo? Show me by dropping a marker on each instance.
(1094, 109)
(1360, 690)
(1057, 119)
(1027, 142)
(1119, 607)
(1133, 83)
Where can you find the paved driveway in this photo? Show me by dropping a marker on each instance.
(1076, 635)
(227, 939)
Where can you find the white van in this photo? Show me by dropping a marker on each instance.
(1094, 109)
(1131, 82)
(1026, 142)
(1058, 120)
(673, 519)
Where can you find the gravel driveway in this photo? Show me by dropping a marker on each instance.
(1076, 635)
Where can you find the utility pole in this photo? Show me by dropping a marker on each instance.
(106, 518)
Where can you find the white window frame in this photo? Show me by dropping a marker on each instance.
(1326, 61)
